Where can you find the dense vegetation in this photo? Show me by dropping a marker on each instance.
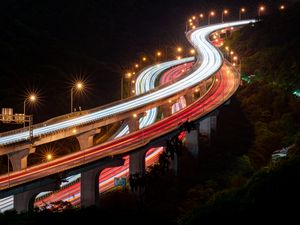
(272, 59)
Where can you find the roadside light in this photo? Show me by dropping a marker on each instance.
(49, 157)
(32, 98)
(128, 75)
(79, 85)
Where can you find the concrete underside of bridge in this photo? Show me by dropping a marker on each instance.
(24, 201)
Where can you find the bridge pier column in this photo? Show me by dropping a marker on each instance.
(137, 171)
(86, 139)
(208, 126)
(24, 201)
(89, 183)
(137, 162)
(189, 98)
(134, 122)
(192, 142)
(19, 159)
(166, 110)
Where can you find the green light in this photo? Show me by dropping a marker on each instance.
(246, 78)
(297, 93)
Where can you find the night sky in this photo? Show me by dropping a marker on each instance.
(45, 45)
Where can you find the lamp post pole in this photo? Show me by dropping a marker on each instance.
(79, 86)
(24, 111)
(242, 10)
(72, 90)
(212, 13)
(225, 11)
(122, 87)
(31, 98)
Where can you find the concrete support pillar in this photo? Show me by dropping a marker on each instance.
(86, 139)
(166, 110)
(189, 98)
(24, 202)
(192, 142)
(19, 159)
(137, 162)
(89, 183)
(134, 122)
(208, 126)
(89, 187)
(137, 172)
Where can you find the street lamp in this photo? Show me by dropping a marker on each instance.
(179, 49)
(30, 98)
(78, 86)
(158, 55)
(242, 10)
(224, 12)
(201, 16)
(49, 156)
(260, 9)
(281, 7)
(128, 76)
(212, 13)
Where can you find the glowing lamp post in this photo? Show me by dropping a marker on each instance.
(224, 12)
(260, 10)
(78, 86)
(212, 13)
(31, 98)
(242, 10)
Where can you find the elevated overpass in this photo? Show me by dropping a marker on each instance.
(223, 86)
